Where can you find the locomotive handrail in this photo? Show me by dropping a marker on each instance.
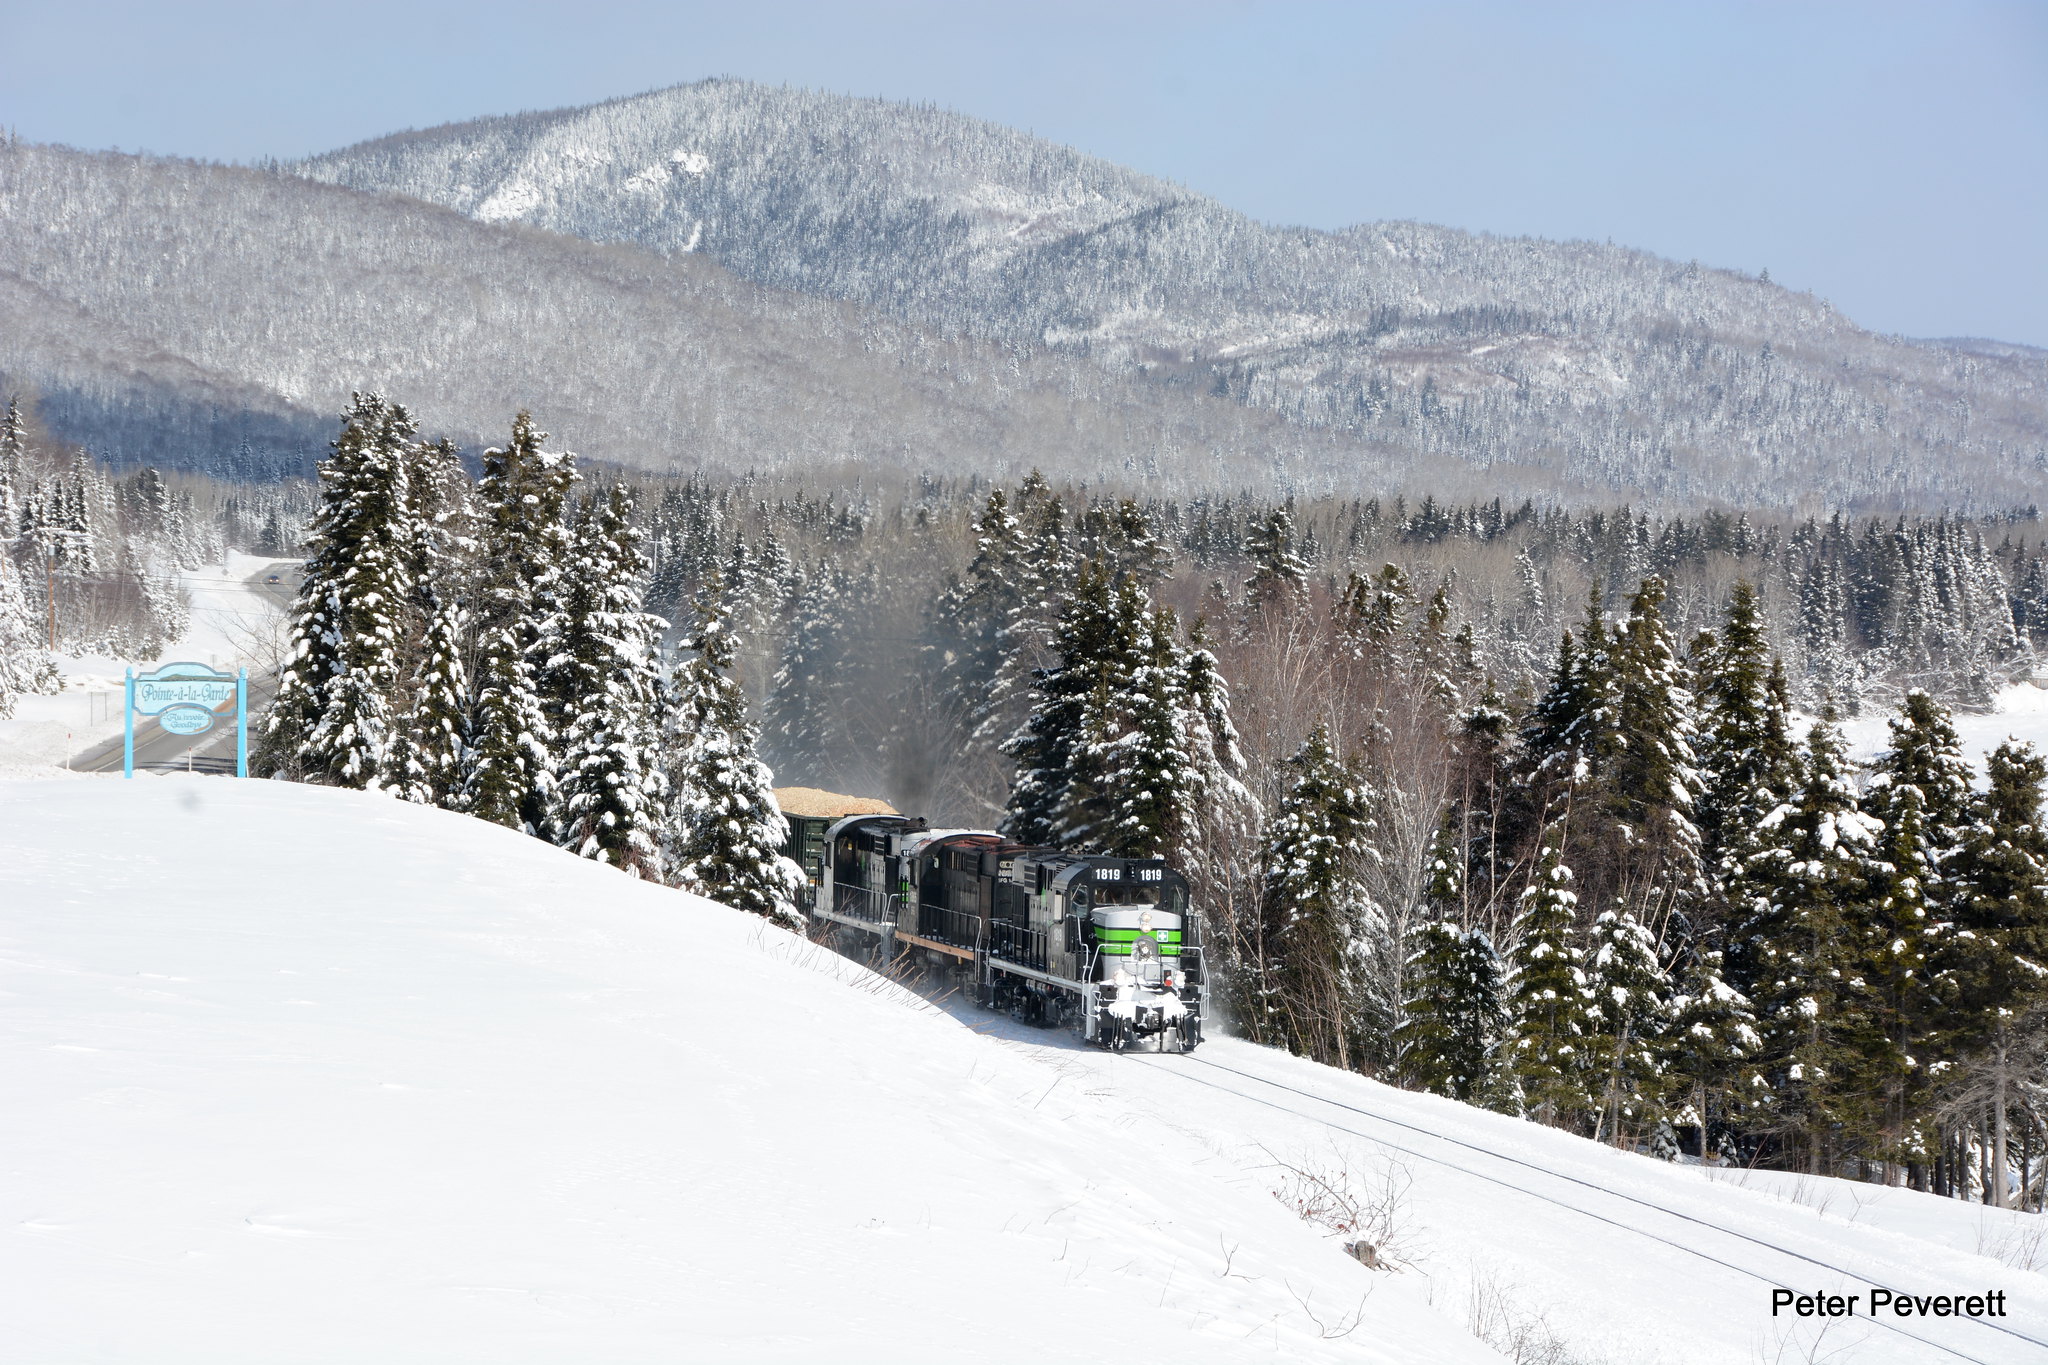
(850, 901)
(1016, 969)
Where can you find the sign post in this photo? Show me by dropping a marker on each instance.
(186, 699)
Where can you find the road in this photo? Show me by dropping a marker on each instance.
(213, 752)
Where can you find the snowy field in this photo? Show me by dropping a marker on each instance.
(233, 625)
(304, 1074)
(2022, 713)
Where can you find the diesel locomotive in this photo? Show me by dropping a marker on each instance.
(1107, 946)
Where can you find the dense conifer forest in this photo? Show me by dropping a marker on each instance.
(1545, 810)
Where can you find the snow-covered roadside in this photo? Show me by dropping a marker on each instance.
(233, 624)
(307, 1074)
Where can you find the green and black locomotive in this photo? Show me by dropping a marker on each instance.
(1108, 946)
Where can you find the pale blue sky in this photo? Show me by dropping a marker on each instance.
(1892, 157)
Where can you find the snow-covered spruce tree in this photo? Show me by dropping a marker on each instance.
(1454, 1020)
(1650, 783)
(1373, 633)
(1571, 731)
(332, 718)
(725, 833)
(1886, 1038)
(1814, 875)
(1630, 1014)
(1926, 756)
(1748, 762)
(1124, 538)
(25, 667)
(430, 766)
(1279, 575)
(1147, 775)
(610, 793)
(1055, 799)
(1219, 851)
(521, 500)
(1549, 1001)
(1998, 959)
(13, 461)
(1712, 1046)
(1445, 668)
(1045, 582)
(426, 759)
(799, 735)
(969, 617)
(1315, 914)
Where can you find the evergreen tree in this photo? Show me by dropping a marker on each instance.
(1314, 911)
(1713, 1041)
(1924, 764)
(1549, 1003)
(972, 615)
(1056, 798)
(13, 461)
(520, 499)
(725, 834)
(1748, 761)
(332, 719)
(1454, 1020)
(1998, 958)
(1631, 1009)
(25, 667)
(1123, 538)
(800, 731)
(1044, 569)
(1646, 775)
(1814, 873)
(1147, 776)
(611, 793)
(1278, 574)
(1892, 946)
(1571, 733)
(438, 729)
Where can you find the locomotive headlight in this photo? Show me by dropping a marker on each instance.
(1145, 920)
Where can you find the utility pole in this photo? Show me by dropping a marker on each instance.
(50, 596)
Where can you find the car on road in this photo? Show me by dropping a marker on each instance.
(274, 578)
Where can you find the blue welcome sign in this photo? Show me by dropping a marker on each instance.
(186, 699)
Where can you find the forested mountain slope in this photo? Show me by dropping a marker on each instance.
(173, 311)
(1596, 365)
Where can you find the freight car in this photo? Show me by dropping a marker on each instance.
(1107, 946)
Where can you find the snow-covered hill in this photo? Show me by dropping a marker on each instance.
(167, 312)
(302, 1074)
(296, 1073)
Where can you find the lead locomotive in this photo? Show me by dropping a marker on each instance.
(1108, 946)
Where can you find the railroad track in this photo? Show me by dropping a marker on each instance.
(1184, 1068)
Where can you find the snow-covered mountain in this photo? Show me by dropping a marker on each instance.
(1595, 364)
(301, 1073)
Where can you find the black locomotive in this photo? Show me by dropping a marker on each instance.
(1108, 946)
